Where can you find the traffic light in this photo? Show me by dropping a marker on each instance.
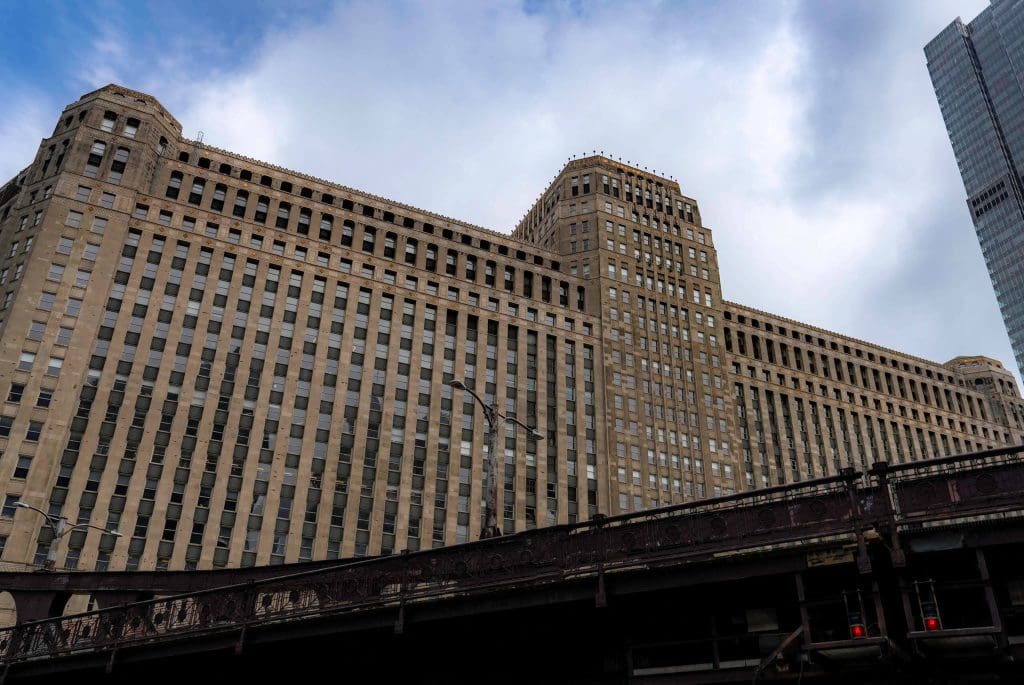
(857, 628)
(930, 615)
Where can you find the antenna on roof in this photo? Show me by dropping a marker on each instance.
(198, 142)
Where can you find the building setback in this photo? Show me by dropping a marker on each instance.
(233, 364)
(976, 70)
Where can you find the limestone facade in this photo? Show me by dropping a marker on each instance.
(231, 363)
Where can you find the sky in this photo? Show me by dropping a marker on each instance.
(808, 132)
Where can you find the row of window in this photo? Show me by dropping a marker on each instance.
(837, 394)
(854, 374)
(220, 196)
(426, 257)
(287, 334)
(835, 347)
(789, 424)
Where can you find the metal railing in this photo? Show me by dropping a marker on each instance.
(843, 505)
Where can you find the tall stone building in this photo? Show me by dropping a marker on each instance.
(232, 363)
(977, 70)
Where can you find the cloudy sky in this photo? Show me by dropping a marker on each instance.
(807, 131)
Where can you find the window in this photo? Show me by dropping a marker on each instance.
(164, 218)
(118, 166)
(326, 226)
(74, 219)
(305, 216)
(64, 246)
(83, 193)
(82, 279)
(108, 121)
(25, 363)
(220, 192)
(195, 197)
(22, 467)
(283, 213)
(92, 165)
(44, 399)
(36, 330)
(141, 211)
(64, 336)
(107, 201)
(15, 393)
(56, 273)
(91, 252)
(35, 429)
(262, 207)
(10, 506)
(241, 199)
(174, 185)
(131, 127)
(53, 367)
(74, 306)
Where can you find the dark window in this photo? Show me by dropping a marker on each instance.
(35, 429)
(22, 467)
(241, 199)
(326, 226)
(10, 506)
(262, 207)
(283, 213)
(220, 192)
(196, 196)
(174, 185)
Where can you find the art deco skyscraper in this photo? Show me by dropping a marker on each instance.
(978, 73)
(234, 364)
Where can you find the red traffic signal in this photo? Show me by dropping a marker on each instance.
(857, 628)
(930, 615)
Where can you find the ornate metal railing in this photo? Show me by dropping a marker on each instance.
(955, 488)
(838, 506)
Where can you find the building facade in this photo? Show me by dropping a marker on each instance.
(232, 364)
(976, 70)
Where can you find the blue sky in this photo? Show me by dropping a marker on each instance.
(807, 131)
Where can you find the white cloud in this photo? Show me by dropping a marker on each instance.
(24, 119)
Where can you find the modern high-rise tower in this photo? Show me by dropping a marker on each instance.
(978, 73)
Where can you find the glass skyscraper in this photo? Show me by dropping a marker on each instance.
(977, 71)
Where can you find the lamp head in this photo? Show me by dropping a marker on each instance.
(536, 436)
(23, 505)
(457, 384)
(114, 532)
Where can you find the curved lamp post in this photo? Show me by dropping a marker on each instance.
(495, 423)
(60, 528)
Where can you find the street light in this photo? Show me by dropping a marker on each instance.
(60, 528)
(495, 422)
